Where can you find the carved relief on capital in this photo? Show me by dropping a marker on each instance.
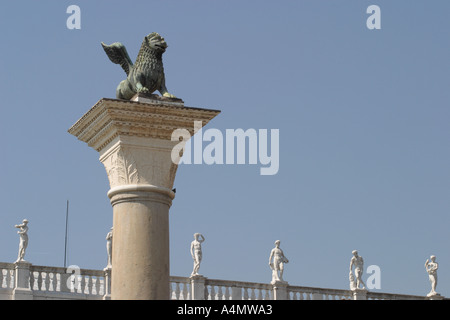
(128, 165)
(121, 169)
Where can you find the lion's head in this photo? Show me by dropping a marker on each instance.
(156, 42)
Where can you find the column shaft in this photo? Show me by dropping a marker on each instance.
(141, 245)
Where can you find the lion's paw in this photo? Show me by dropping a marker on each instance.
(169, 95)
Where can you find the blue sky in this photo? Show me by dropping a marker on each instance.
(362, 115)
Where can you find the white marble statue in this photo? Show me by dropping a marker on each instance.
(23, 244)
(196, 252)
(277, 260)
(358, 262)
(109, 238)
(432, 267)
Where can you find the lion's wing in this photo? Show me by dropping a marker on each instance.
(118, 54)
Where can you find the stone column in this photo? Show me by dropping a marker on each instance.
(134, 140)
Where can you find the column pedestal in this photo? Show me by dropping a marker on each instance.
(135, 140)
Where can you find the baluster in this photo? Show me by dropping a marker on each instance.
(189, 291)
(170, 290)
(11, 279)
(7, 279)
(87, 285)
(227, 293)
(79, 283)
(219, 293)
(40, 280)
(94, 289)
(213, 293)
(177, 291)
(72, 282)
(58, 282)
(94, 285)
(3, 275)
(258, 296)
(33, 280)
(44, 282)
(50, 283)
(252, 296)
(185, 292)
(245, 293)
(206, 294)
(101, 289)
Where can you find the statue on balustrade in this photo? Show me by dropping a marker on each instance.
(109, 238)
(23, 244)
(432, 267)
(358, 262)
(277, 259)
(196, 252)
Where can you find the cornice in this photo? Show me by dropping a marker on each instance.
(109, 118)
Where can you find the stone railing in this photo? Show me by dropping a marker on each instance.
(68, 283)
(201, 288)
(6, 280)
(26, 281)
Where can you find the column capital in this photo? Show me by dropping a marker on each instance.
(134, 138)
(145, 117)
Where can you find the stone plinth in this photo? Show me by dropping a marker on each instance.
(359, 294)
(22, 290)
(134, 140)
(279, 290)
(434, 296)
(197, 287)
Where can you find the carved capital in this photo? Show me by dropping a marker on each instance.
(134, 137)
(138, 161)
